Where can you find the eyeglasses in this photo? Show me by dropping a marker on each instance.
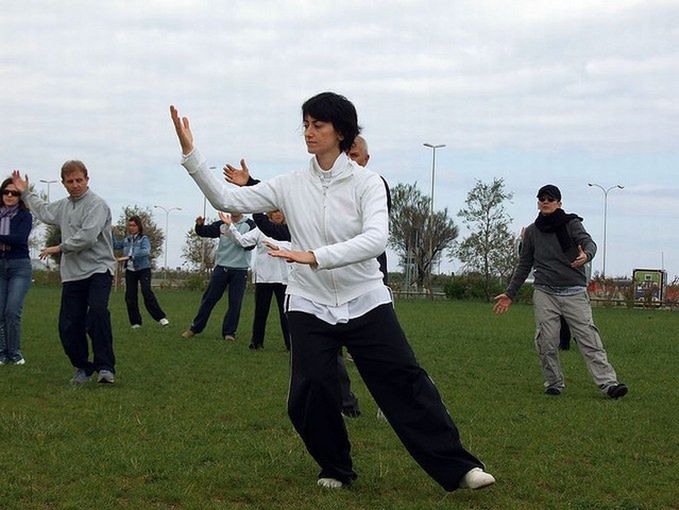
(11, 193)
(546, 199)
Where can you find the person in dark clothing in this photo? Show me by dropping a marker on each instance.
(136, 248)
(230, 271)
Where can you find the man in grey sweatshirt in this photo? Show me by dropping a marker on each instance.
(87, 265)
(557, 247)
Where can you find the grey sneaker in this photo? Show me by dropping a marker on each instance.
(106, 377)
(80, 377)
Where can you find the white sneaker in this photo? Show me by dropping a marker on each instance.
(380, 415)
(163, 321)
(329, 483)
(106, 377)
(476, 478)
(136, 326)
(22, 361)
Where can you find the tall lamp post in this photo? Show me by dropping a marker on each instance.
(605, 191)
(433, 148)
(167, 232)
(48, 187)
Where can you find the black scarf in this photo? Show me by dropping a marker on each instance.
(556, 223)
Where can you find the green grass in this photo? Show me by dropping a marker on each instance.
(202, 424)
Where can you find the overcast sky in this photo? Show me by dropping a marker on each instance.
(535, 92)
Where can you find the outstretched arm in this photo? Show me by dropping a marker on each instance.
(41, 210)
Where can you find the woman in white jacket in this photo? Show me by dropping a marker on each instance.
(337, 215)
(270, 275)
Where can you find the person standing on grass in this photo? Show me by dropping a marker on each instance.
(231, 271)
(270, 275)
(15, 270)
(136, 249)
(557, 246)
(87, 266)
(337, 215)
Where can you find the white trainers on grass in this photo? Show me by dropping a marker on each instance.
(476, 478)
(329, 483)
(163, 321)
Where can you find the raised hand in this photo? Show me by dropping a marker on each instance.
(238, 176)
(181, 126)
(19, 183)
(581, 259)
(502, 304)
(226, 218)
(200, 220)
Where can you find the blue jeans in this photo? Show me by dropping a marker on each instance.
(84, 311)
(15, 279)
(222, 277)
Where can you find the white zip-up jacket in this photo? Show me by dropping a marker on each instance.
(344, 222)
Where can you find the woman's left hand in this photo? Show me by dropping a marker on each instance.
(300, 257)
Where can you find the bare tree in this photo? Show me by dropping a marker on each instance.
(199, 252)
(418, 241)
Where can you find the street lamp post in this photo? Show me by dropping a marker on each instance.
(605, 191)
(48, 187)
(167, 232)
(433, 148)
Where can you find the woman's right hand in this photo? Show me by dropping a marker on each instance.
(181, 126)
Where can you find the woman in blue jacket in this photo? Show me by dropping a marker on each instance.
(15, 270)
(137, 256)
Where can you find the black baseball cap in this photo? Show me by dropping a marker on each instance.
(551, 191)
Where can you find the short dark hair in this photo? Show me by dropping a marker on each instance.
(73, 165)
(6, 183)
(137, 221)
(338, 110)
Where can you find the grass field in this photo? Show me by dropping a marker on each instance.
(201, 424)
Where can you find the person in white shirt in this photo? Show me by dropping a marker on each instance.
(270, 275)
(337, 215)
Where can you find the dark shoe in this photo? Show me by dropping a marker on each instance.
(255, 346)
(553, 391)
(351, 413)
(617, 391)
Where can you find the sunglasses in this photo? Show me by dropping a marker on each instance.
(11, 193)
(546, 199)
